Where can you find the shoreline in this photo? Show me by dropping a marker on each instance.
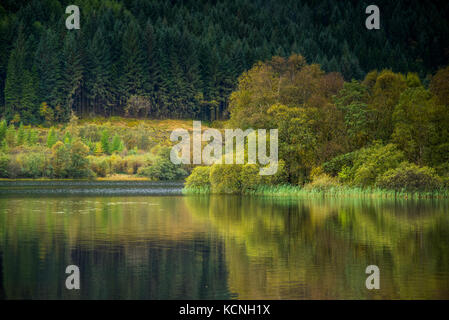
(287, 191)
(109, 178)
(334, 192)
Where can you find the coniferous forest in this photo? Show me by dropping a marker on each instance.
(170, 59)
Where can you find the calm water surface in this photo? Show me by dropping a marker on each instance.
(146, 241)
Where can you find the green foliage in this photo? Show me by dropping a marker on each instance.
(117, 144)
(249, 177)
(363, 166)
(414, 125)
(51, 138)
(4, 165)
(353, 101)
(225, 178)
(79, 164)
(322, 183)
(67, 138)
(373, 161)
(46, 112)
(10, 136)
(231, 179)
(31, 137)
(162, 168)
(410, 177)
(33, 165)
(3, 128)
(185, 59)
(279, 178)
(60, 160)
(99, 166)
(384, 97)
(70, 160)
(335, 165)
(199, 178)
(105, 146)
(20, 135)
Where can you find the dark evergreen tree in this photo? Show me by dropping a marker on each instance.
(184, 59)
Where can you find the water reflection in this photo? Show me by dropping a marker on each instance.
(220, 247)
(319, 249)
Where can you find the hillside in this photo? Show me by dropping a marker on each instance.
(159, 59)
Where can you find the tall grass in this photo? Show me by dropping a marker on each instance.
(196, 190)
(345, 191)
(333, 192)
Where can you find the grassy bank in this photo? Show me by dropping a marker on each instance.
(98, 148)
(334, 192)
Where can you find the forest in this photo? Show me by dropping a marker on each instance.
(388, 131)
(356, 109)
(165, 59)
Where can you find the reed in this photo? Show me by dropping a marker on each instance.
(333, 192)
(196, 190)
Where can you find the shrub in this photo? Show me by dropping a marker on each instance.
(132, 163)
(225, 178)
(20, 135)
(163, 168)
(117, 144)
(99, 165)
(410, 177)
(250, 177)
(373, 161)
(79, 164)
(34, 165)
(105, 141)
(10, 136)
(31, 137)
(51, 138)
(116, 164)
(345, 174)
(90, 132)
(3, 128)
(335, 165)
(60, 159)
(199, 178)
(4, 165)
(280, 177)
(14, 167)
(322, 182)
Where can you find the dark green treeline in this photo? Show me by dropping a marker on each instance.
(159, 59)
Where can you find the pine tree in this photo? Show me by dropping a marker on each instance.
(51, 138)
(10, 136)
(71, 74)
(20, 135)
(105, 146)
(14, 76)
(100, 73)
(117, 144)
(47, 66)
(132, 80)
(29, 101)
(3, 128)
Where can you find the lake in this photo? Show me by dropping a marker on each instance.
(143, 240)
